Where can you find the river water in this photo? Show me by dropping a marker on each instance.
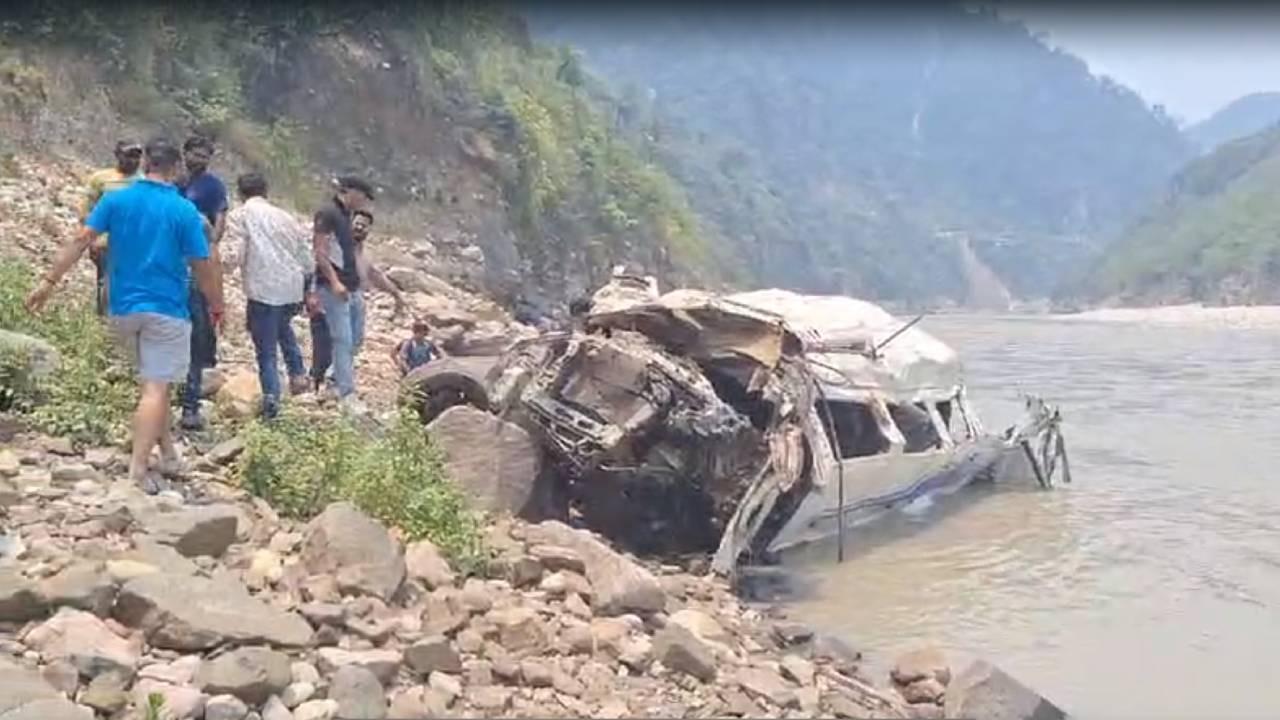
(1148, 588)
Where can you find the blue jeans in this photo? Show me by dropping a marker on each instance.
(345, 319)
(269, 327)
(204, 350)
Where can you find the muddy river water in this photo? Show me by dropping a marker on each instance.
(1148, 588)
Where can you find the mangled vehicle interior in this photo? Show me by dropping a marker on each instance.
(735, 426)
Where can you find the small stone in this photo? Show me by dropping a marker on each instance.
(492, 698)
(324, 613)
(85, 641)
(921, 664)
(798, 669)
(106, 693)
(358, 693)
(383, 664)
(252, 674)
(10, 464)
(100, 458)
(265, 570)
(418, 703)
(424, 562)
(305, 673)
(555, 558)
(180, 701)
(925, 690)
(317, 710)
(577, 607)
(926, 711)
(446, 684)
(567, 684)
(226, 451)
(297, 693)
(275, 709)
(563, 582)
(524, 572)
(63, 676)
(762, 683)
(535, 673)
(519, 629)
(475, 597)
(680, 650)
(433, 654)
(469, 641)
(225, 707)
(59, 446)
(478, 672)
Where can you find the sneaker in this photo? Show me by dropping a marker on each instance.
(352, 405)
(191, 420)
(299, 385)
(152, 483)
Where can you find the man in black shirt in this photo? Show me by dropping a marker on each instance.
(337, 280)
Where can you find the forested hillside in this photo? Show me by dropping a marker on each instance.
(856, 148)
(1240, 118)
(1214, 239)
(477, 136)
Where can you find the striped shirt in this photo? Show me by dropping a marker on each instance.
(272, 250)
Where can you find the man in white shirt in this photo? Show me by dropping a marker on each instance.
(273, 252)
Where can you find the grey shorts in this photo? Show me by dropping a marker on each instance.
(159, 346)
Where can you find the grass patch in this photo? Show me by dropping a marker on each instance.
(301, 463)
(92, 395)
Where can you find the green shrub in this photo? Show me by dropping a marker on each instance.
(91, 396)
(300, 463)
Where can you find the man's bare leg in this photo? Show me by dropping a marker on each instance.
(150, 425)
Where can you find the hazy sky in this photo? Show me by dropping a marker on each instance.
(1193, 61)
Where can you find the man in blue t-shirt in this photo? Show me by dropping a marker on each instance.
(208, 193)
(155, 234)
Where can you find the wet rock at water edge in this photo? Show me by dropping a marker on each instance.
(985, 691)
(921, 664)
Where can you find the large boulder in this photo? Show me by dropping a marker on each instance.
(194, 531)
(195, 613)
(40, 359)
(251, 674)
(985, 691)
(496, 463)
(85, 641)
(354, 548)
(679, 649)
(425, 563)
(620, 584)
(24, 695)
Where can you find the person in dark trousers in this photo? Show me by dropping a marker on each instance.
(127, 169)
(273, 252)
(208, 193)
(337, 282)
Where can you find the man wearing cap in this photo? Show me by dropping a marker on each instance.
(337, 280)
(128, 163)
(208, 193)
(157, 243)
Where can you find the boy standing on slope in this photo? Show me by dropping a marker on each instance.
(155, 234)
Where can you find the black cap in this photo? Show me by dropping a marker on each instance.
(162, 152)
(359, 184)
(124, 146)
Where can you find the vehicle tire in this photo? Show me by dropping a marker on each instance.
(440, 385)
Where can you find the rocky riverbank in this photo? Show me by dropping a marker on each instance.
(209, 600)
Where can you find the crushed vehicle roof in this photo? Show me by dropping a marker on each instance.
(837, 336)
